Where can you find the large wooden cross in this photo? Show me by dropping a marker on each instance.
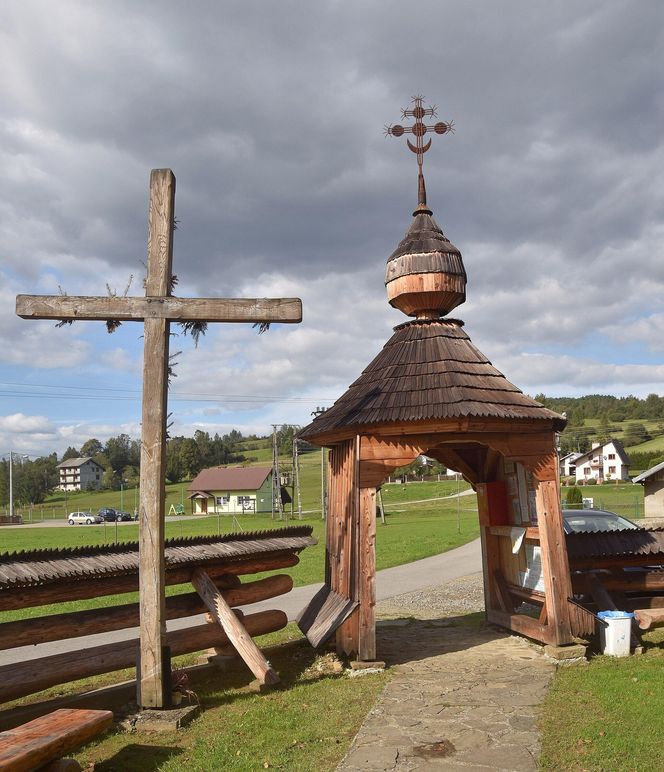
(156, 310)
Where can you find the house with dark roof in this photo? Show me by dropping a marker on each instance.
(80, 474)
(231, 490)
(603, 462)
(653, 490)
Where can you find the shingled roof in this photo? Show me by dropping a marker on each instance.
(428, 370)
(234, 478)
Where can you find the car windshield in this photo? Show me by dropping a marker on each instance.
(595, 520)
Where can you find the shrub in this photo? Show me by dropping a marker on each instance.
(574, 496)
(591, 481)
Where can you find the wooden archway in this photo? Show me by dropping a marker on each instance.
(484, 452)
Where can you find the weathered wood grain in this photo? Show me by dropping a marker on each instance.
(30, 746)
(367, 576)
(153, 663)
(555, 567)
(56, 627)
(17, 680)
(174, 309)
(233, 628)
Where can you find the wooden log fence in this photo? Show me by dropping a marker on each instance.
(219, 593)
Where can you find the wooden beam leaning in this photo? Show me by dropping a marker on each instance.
(136, 309)
(234, 629)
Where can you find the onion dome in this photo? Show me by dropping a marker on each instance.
(425, 277)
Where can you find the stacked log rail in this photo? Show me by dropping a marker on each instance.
(42, 581)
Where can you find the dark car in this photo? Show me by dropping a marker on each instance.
(124, 517)
(108, 514)
(595, 520)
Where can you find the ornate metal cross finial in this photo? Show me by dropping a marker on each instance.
(419, 129)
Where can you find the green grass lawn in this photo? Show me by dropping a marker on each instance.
(420, 530)
(307, 724)
(606, 716)
(623, 498)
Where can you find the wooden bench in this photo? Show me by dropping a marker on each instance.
(48, 738)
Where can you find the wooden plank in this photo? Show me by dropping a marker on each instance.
(502, 592)
(532, 532)
(19, 679)
(490, 549)
(234, 629)
(47, 738)
(367, 577)
(347, 543)
(174, 309)
(519, 623)
(117, 585)
(56, 627)
(652, 581)
(555, 568)
(650, 617)
(153, 664)
(325, 612)
(615, 563)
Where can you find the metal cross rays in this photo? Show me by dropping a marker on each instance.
(419, 129)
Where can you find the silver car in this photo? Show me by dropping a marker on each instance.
(83, 518)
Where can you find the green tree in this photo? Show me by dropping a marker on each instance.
(70, 453)
(91, 448)
(118, 452)
(574, 497)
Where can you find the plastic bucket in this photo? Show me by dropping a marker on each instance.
(615, 633)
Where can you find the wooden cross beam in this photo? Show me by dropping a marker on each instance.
(156, 310)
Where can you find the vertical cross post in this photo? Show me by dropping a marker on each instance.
(154, 676)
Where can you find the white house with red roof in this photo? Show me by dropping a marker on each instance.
(231, 490)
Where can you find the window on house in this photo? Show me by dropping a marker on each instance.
(586, 471)
(222, 501)
(612, 470)
(612, 456)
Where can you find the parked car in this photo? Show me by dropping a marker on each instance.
(83, 518)
(108, 514)
(594, 520)
(123, 517)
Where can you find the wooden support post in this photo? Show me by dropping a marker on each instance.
(490, 550)
(234, 629)
(154, 661)
(555, 566)
(367, 576)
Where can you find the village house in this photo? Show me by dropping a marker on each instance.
(231, 490)
(568, 464)
(603, 462)
(653, 491)
(80, 474)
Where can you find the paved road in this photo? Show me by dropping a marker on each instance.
(409, 577)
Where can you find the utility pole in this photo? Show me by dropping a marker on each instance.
(323, 509)
(296, 477)
(277, 505)
(11, 486)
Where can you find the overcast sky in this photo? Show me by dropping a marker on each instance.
(271, 116)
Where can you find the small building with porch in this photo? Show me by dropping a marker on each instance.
(231, 490)
(653, 491)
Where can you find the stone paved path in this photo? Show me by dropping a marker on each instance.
(462, 697)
